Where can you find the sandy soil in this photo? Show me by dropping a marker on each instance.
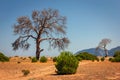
(87, 70)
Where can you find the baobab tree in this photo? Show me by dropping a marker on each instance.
(46, 25)
(103, 44)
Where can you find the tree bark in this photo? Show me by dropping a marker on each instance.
(106, 52)
(37, 49)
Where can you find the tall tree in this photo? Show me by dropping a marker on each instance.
(45, 25)
(103, 44)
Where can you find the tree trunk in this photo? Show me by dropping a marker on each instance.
(106, 53)
(37, 49)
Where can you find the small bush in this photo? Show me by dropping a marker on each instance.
(54, 59)
(117, 53)
(34, 59)
(3, 58)
(110, 59)
(66, 63)
(24, 58)
(116, 57)
(25, 72)
(30, 57)
(97, 59)
(79, 58)
(86, 56)
(43, 59)
(103, 58)
(16, 56)
(18, 62)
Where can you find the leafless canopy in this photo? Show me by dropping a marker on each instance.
(45, 25)
(104, 43)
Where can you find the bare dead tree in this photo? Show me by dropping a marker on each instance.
(45, 25)
(103, 44)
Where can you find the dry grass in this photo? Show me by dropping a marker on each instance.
(87, 70)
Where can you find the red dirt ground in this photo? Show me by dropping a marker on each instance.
(87, 70)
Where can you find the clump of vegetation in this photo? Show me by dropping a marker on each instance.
(86, 56)
(78, 57)
(54, 59)
(97, 59)
(3, 58)
(110, 59)
(24, 58)
(116, 57)
(25, 72)
(103, 58)
(16, 56)
(117, 53)
(66, 63)
(30, 57)
(18, 62)
(34, 59)
(43, 59)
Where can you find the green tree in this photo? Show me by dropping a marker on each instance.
(46, 25)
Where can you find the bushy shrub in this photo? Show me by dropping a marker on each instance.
(103, 58)
(54, 59)
(43, 59)
(116, 57)
(25, 72)
(3, 58)
(97, 59)
(24, 58)
(79, 58)
(117, 53)
(66, 63)
(30, 57)
(34, 59)
(18, 62)
(86, 56)
(110, 59)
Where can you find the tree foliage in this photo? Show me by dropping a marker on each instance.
(43, 59)
(66, 63)
(46, 25)
(117, 53)
(116, 57)
(86, 56)
(3, 58)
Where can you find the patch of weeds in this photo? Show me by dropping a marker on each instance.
(24, 58)
(18, 62)
(103, 58)
(30, 57)
(34, 59)
(43, 59)
(25, 72)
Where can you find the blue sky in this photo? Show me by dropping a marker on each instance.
(88, 22)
